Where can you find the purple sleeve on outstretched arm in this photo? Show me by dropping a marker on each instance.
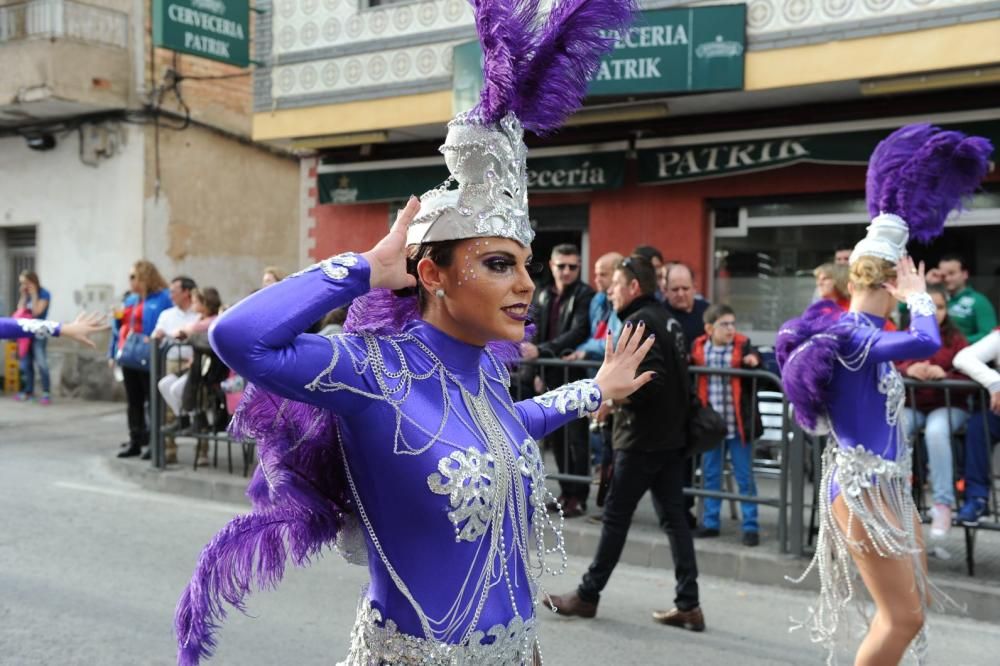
(12, 329)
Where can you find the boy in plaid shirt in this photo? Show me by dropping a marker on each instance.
(733, 399)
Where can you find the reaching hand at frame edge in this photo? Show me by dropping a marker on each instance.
(82, 327)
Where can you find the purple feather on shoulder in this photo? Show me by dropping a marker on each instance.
(922, 173)
(806, 350)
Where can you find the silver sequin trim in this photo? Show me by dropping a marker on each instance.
(378, 643)
(336, 267)
(921, 305)
(582, 397)
(40, 328)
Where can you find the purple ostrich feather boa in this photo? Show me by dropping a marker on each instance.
(806, 349)
(922, 173)
(299, 491)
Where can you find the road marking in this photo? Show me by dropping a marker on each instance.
(219, 507)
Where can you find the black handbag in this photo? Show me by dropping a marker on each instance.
(705, 428)
(134, 354)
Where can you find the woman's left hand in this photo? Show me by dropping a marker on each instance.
(616, 378)
(83, 326)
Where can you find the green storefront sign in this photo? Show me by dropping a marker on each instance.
(675, 164)
(215, 29)
(666, 51)
(561, 173)
(677, 50)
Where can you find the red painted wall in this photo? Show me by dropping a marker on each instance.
(348, 227)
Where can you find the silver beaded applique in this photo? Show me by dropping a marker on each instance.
(335, 267)
(467, 478)
(489, 165)
(921, 305)
(40, 328)
(390, 363)
(581, 397)
(890, 384)
(375, 642)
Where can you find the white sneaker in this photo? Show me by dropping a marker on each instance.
(939, 552)
(940, 522)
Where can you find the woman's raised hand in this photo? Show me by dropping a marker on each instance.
(909, 280)
(80, 328)
(617, 378)
(388, 258)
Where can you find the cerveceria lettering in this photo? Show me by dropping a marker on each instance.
(581, 176)
(209, 23)
(629, 67)
(737, 156)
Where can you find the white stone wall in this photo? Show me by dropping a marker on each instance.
(88, 219)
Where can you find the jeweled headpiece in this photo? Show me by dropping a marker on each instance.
(917, 176)
(534, 76)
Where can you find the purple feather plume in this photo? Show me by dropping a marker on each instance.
(922, 173)
(806, 350)
(566, 54)
(505, 29)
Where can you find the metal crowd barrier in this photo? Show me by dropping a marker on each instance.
(790, 498)
(799, 454)
(157, 368)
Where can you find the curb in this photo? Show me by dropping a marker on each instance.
(646, 545)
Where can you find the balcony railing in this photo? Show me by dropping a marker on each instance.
(65, 19)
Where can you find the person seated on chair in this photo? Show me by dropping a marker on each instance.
(938, 420)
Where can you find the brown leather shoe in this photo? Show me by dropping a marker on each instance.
(570, 605)
(693, 619)
(572, 508)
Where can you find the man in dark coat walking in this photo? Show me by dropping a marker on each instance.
(649, 441)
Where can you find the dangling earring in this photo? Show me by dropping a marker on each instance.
(439, 293)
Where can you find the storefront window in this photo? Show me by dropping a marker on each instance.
(765, 252)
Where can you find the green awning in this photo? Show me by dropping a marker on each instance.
(398, 179)
(682, 163)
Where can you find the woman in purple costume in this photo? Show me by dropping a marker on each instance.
(397, 442)
(839, 375)
(79, 329)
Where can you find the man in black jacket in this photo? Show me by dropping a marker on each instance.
(562, 318)
(649, 439)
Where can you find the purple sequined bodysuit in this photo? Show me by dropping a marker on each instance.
(867, 463)
(443, 467)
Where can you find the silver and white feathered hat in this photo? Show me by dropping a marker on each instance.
(916, 177)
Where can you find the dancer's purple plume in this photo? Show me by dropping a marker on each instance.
(541, 72)
(567, 53)
(922, 173)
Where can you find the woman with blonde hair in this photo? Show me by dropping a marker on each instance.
(831, 284)
(149, 295)
(839, 375)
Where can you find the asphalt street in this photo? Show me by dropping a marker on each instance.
(91, 567)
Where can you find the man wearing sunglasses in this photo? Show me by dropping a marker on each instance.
(562, 318)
